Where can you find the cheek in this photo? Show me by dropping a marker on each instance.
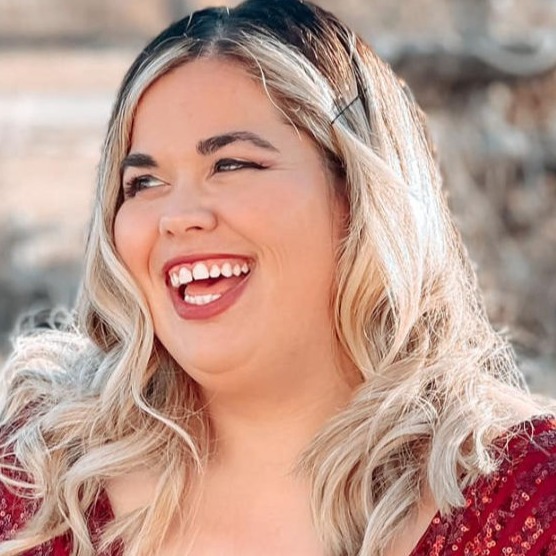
(293, 222)
(132, 238)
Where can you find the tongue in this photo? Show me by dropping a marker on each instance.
(213, 285)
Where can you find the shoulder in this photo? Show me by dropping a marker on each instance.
(512, 511)
(18, 509)
(519, 499)
(15, 510)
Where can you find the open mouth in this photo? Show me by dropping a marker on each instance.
(203, 283)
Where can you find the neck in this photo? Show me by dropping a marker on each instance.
(267, 425)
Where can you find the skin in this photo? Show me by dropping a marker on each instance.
(268, 366)
(283, 216)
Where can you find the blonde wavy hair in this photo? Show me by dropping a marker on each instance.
(103, 397)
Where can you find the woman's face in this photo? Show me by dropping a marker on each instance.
(229, 225)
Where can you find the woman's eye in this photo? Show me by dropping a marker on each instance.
(138, 183)
(231, 164)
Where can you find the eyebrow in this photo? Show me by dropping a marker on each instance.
(212, 144)
(204, 147)
(137, 160)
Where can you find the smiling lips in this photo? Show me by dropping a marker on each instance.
(203, 283)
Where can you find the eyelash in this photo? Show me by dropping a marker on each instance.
(137, 183)
(240, 165)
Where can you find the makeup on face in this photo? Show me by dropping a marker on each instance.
(227, 223)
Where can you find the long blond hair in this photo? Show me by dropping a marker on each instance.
(102, 398)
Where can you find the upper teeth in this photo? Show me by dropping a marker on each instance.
(200, 271)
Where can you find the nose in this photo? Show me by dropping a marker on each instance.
(179, 219)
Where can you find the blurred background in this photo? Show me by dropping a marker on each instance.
(484, 70)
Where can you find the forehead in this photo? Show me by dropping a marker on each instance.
(202, 97)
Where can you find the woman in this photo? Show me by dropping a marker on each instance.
(281, 349)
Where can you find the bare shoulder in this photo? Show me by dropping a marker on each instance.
(404, 544)
(131, 491)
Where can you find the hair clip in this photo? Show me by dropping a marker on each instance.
(347, 107)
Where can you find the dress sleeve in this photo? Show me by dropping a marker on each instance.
(15, 513)
(511, 512)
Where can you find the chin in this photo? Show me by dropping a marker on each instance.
(206, 360)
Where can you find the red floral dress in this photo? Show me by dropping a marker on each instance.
(512, 512)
